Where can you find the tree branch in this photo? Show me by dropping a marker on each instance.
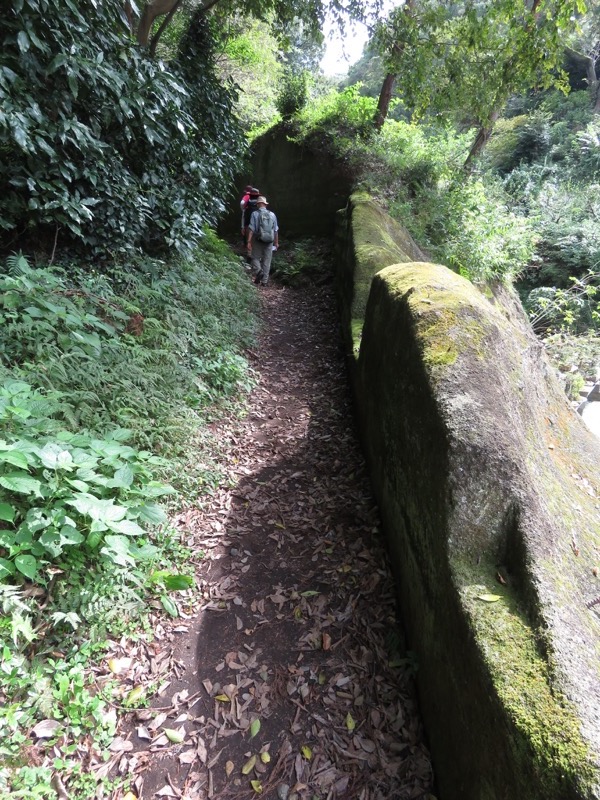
(163, 25)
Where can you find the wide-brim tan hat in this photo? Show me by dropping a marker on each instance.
(262, 199)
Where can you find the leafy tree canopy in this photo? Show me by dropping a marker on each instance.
(102, 147)
(468, 57)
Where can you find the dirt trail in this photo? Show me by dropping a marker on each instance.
(292, 673)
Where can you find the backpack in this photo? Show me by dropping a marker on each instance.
(250, 207)
(266, 226)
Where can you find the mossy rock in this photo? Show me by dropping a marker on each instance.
(486, 482)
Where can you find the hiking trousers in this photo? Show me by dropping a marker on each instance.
(260, 259)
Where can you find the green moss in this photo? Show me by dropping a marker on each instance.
(378, 242)
(445, 308)
(546, 726)
(357, 327)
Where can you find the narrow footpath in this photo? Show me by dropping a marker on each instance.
(290, 681)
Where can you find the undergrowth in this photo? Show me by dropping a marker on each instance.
(108, 380)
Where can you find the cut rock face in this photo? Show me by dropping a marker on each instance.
(488, 489)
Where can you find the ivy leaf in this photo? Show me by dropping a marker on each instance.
(21, 482)
(14, 457)
(169, 606)
(176, 583)
(6, 568)
(27, 565)
(53, 456)
(151, 513)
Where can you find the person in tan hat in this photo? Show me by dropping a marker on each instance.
(263, 239)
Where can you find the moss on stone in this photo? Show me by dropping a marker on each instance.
(378, 242)
(546, 725)
(475, 458)
(448, 317)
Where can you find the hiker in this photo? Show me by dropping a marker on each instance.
(248, 205)
(263, 239)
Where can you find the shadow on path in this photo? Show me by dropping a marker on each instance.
(292, 681)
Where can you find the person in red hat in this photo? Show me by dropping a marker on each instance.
(248, 205)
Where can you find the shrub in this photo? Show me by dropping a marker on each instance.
(102, 148)
(293, 93)
(61, 491)
(148, 350)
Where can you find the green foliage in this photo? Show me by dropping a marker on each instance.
(293, 93)
(468, 58)
(574, 309)
(465, 222)
(61, 491)
(102, 147)
(149, 358)
(304, 260)
(250, 59)
(338, 113)
(81, 527)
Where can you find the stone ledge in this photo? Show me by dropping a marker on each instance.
(486, 483)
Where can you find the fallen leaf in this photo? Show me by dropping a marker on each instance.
(326, 641)
(223, 698)
(202, 751)
(306, 752)
(229, 767)
(254, 728)
(167, 791)
(187, 757)
(249, 765)
(489, 598)
(174, 736)
(46, 728)
(257, 786)
(134, 695)
(120, 745)
(350, 724)
(265, 757)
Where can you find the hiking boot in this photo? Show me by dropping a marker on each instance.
(258, 278)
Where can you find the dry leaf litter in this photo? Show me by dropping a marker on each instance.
(287, 679)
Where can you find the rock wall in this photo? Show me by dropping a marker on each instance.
(486, 482)
(304, 185)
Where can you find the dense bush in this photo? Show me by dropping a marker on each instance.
(100, 146)
(145, 349)
(293, 93)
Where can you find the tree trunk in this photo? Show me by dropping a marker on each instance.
(385, 95)
(384, 100)
(480, 142)
(588, 63)
(152, 10)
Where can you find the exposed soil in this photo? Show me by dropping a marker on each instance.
(290, 680)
